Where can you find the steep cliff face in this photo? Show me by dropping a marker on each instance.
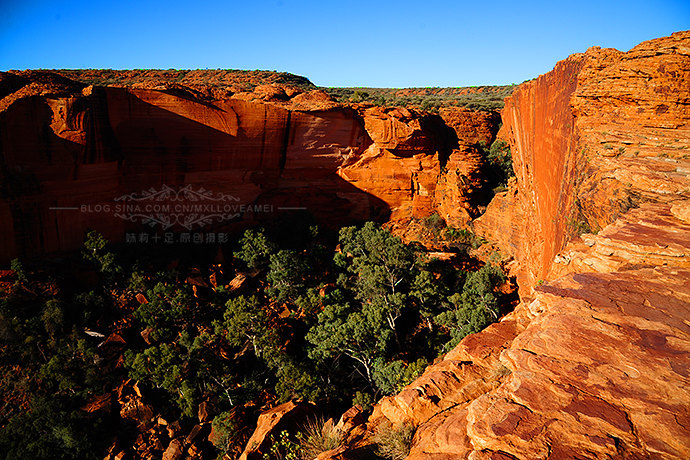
(540, 128)
(69, 150)
(593, 363)
(600, 134)
(399, 169)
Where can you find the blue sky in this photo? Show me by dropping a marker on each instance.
(350, 43)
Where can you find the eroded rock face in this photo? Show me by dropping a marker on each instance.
(68, 149)
(424, 164)
(86, 150)
(594, 362)
(462, 178)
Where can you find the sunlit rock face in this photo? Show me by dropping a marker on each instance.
(594, 362)
(602, 133)
(70, 151)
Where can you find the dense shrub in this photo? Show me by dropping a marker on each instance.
(394, 442)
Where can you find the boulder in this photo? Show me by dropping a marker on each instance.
(286, 416)
(175, 450)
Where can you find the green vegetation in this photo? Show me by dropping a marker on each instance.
(95, 250)
(19, 271)
(48, 372)
(499, 163)
(579, 226)
(338, 319)
(255, 249)
(243, 79)
(284, 448)
(315, 437)
(227, 431)
(462, 237)
(429, 99)
(475, 307)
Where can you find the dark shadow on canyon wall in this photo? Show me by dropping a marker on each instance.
(446, 137)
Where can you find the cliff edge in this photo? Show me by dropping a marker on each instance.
(594, 361)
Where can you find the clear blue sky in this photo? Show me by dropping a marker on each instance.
(349, 43)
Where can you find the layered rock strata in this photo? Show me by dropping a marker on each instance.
(602, 133)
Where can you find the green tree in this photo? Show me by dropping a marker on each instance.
(165, 366)
(382, 267)
(295, 380)
(431, 295)
(245, 319)
(53, 317)
(51, 429)
(343, 329)
(476, 307)
(391, 377)
(286, 275)
(359, 96)
(161, 365)
(18, 268)
(89, 305)
(95, 250)
(500, 163)
(226, 429)
(165, 310)
(70, 369)
(255, 249)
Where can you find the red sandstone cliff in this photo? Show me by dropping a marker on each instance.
(604, 132)
(594, 362)
(66, 145)
(89, 148)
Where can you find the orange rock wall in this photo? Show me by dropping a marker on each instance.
(543, 141)
(88, 149)
(63, 145)
(424, 164)
(601, 133)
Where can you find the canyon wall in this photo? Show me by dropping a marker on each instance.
(70, 153)
(602, 133)
(594, 361)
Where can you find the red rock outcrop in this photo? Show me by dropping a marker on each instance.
(462, 178)
(271, 423)
(594, 362)
(87, 149)
(421, 165)
(70, 151)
